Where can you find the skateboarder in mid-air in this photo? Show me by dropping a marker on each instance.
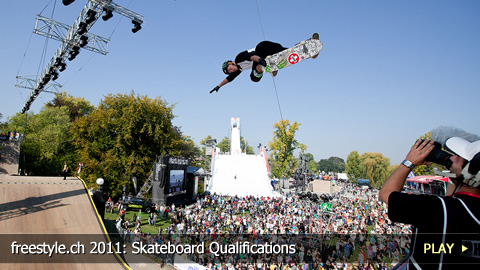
(270, 57)
(253, 58)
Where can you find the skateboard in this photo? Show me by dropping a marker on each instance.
(309, 48)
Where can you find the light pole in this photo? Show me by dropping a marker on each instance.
(98, 199)
(100, 182)
(209, 144)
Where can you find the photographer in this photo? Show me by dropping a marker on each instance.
(440, 222)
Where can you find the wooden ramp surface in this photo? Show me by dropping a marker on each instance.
(9, 153)
(49, 205)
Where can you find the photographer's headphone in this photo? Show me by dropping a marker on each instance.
(471, 172)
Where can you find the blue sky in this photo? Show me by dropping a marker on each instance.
(389, 71)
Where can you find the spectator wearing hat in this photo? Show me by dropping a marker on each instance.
(451, 221)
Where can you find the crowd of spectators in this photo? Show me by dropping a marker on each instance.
(356, 234)
(9, 136)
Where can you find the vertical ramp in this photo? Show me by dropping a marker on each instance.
(9, 155)
(241, 175)
(36, 210)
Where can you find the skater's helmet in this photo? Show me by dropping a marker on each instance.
(225, 66)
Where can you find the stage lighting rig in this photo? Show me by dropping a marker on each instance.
(72, 38)
(91, 16)
(136, 26)
(108, 14)
(83, 41)
(74, 52)
(62, 68)
(67, 2)
(82, 28)
(54, 75)
(46, 79)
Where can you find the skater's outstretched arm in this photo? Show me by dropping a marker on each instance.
(225, 81)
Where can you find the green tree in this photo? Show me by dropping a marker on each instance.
(325, 165)
(205, 157)
(338, 164)
(188, 149)
(353, 167)
(375, 168)
(77, 107)
(46, 144)
(122, 138)
(391, 169)
(332, 164)
(2, 124)
(308, 157)
(246, 147)
(282, 147)
(224, 146)
(313, 166)
(17, 122)
(203, 144)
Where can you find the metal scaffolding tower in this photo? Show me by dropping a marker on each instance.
(73, 38)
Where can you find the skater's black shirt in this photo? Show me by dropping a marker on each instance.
(263, 49)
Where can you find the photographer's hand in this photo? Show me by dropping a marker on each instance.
(419, 152)
(417, 155)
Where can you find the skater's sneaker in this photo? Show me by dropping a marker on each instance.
(314, 36)
(257, 74)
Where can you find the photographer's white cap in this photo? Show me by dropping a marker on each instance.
(471, 152)
(463, 148)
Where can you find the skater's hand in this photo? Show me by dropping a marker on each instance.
(262, 62)
(215, 89)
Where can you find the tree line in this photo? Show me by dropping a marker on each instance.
(125, 134)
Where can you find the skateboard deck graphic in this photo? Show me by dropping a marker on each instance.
(309, 48)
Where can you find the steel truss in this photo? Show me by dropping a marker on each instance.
(71, 38)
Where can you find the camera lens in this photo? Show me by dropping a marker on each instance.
(439, 156)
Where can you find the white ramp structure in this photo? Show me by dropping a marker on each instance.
(239, 174)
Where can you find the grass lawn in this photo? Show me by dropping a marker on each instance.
(145, 227)
(354, 256)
